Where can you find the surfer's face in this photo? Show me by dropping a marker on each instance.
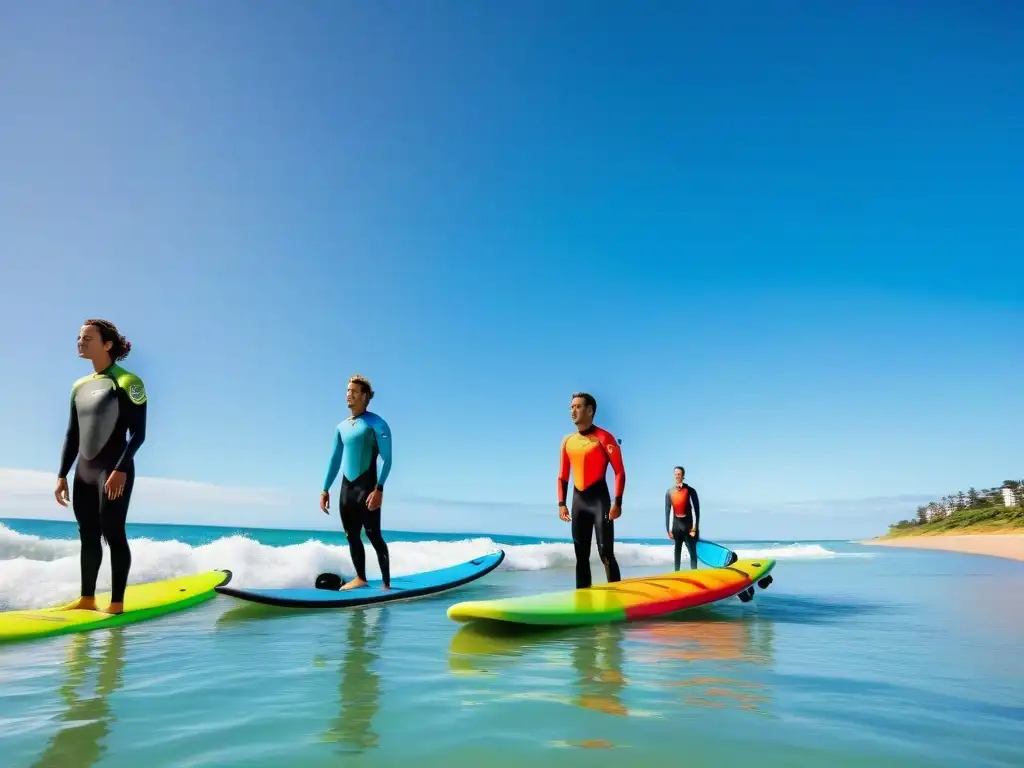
(354, 397)
(580, 411)
(678, 474)
(90, 343)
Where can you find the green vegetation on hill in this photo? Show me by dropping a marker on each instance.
(982, 511)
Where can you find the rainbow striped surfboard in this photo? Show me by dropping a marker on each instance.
(643, 597)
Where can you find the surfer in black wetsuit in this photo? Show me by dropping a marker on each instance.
(682, 517)
(106, 426)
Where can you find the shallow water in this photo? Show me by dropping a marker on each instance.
(899, 658)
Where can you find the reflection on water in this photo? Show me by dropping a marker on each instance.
(87, 717)
(359, 688)
(697, 659)
(598, 667)
(707, 637)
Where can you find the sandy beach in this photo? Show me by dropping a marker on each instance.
(1009, 545)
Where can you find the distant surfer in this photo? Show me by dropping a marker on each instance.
(586, 454)
(682, 517)
(358, 441)
(106, 426)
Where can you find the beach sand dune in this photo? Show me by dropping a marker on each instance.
(1009, 545)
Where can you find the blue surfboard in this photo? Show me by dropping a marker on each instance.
(715, 555)
(402, 587)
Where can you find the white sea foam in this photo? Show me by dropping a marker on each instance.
(36, 572)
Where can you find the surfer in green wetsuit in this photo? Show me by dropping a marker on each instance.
(358, 441)
(106, 426)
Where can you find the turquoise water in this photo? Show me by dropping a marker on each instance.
(854, 656)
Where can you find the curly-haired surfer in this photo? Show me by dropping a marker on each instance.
(106, 426)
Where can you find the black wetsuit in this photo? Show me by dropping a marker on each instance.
(105, 408)
(682, 507)
(355, 515)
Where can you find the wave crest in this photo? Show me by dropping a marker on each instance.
(36, 572)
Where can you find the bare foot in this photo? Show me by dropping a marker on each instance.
(354, 584)
(82, 604)
(114, 608)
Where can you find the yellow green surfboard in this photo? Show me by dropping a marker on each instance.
(141, 602)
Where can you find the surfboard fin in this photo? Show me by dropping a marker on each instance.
(329, 581)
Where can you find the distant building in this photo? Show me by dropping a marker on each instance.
(1009, 497)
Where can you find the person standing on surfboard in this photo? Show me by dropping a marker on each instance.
(358, 441)
(586, 454)
(682, 508)
(106, 426)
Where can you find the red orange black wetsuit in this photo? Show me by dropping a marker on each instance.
(586, 455)
(682, 507)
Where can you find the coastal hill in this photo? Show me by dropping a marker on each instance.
(990, 510)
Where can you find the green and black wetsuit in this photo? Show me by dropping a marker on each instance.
(106, 426)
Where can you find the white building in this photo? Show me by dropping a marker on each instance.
(1009, 497)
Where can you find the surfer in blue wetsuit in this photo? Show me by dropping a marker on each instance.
(358, 441)
(682, 517)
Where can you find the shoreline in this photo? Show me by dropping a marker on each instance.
(1007, 545)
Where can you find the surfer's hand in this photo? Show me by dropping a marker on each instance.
(61, 491)
(670, 535)
(563, 513)
(373, 501)
(325, 502)
(614, 512)
(693, 533)
(115, 484)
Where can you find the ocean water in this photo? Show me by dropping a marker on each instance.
(855, 656)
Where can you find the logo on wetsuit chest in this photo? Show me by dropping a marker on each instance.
(587, 443)
(92, 396)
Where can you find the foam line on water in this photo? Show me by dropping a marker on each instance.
(36, 572)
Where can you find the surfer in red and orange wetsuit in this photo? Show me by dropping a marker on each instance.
(586, 454)
(682, 508)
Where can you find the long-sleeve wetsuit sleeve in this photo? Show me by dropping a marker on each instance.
(335, 462)
(69, 451)
(695, 501)
(563, 473)
(668, 510)
(136, 435)
(134, 400)
(614, 452)
(382, 433)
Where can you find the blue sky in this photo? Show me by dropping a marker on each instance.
(781, 246)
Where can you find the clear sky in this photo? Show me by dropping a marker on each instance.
(781, 243)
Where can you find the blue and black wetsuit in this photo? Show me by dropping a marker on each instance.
(358, 442)
(106, 426)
